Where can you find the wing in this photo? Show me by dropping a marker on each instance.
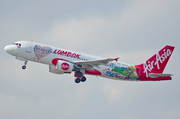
(88, 65)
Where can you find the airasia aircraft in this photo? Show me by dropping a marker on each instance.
(62, 61)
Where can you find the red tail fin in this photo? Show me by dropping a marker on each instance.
(158, 62)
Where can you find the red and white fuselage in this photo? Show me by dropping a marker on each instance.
(65, 61)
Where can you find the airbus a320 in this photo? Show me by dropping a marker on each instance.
(62, 61)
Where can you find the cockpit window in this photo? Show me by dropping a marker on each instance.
(18, 44)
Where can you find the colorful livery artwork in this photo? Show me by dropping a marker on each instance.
(62, 61)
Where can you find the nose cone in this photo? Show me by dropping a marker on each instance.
(7, 49)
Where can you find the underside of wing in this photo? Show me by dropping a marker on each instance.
(93, 63)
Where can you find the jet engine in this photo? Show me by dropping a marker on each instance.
(61, 67)
(53, 69)
(64, 66)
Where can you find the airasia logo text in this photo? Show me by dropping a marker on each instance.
(150, 65)
(65, 66)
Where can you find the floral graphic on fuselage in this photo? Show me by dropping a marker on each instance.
(123, 72)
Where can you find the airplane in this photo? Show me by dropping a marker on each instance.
(63, 61)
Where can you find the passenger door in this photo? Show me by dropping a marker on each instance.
(29, 47)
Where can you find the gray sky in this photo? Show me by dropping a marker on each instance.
(133, 30)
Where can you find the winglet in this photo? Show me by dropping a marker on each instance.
(116, 59)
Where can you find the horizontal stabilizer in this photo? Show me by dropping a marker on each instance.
(155, 75)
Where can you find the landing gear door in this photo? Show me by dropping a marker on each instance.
(29, 47)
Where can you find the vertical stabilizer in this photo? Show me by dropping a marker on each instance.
(158, 62)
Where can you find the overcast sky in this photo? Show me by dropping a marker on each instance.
(133, 30)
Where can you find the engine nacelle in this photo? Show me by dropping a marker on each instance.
(64, 66)
(53, 69)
